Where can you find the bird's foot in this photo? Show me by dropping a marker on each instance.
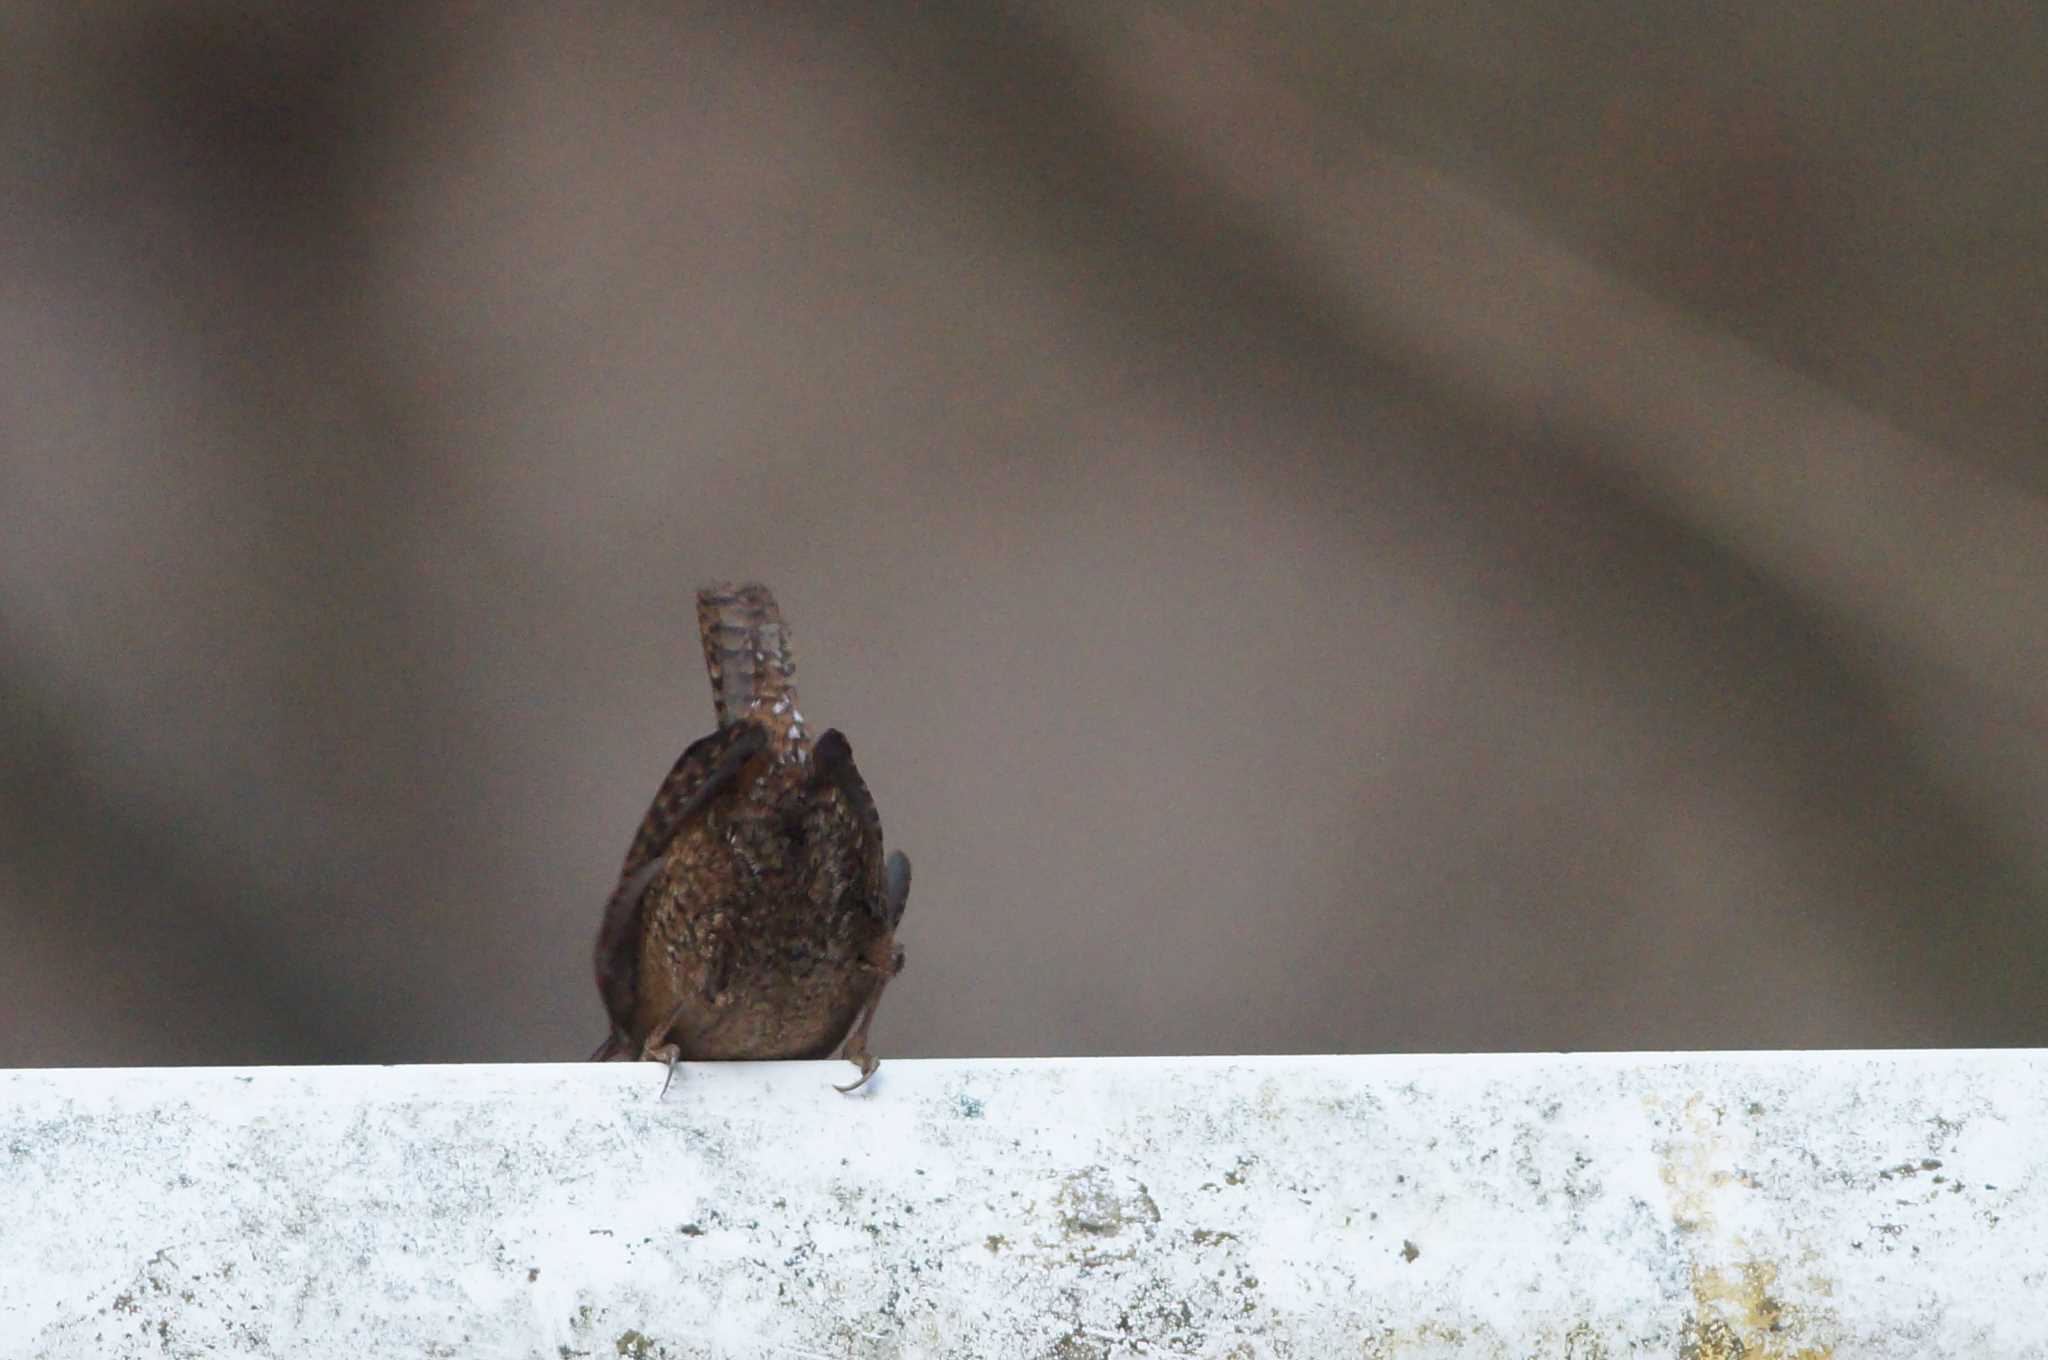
(663, 1053)
(868, 1064)
(855, 1049)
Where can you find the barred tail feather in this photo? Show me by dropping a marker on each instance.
(747, 655)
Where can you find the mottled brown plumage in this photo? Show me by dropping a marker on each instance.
(755, 915)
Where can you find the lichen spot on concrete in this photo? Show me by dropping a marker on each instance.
(1091, 1202)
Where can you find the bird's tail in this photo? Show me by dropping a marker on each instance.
(747, 654)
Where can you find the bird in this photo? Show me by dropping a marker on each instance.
(755, 914)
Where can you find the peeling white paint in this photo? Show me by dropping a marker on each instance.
(1763, 1205)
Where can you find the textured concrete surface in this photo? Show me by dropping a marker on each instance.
(1756, 1205)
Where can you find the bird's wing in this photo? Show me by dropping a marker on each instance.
(704, 771)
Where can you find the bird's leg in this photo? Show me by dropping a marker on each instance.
(855, 1050)
(655, 1050)
(714, 995)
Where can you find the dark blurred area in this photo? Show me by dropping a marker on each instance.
(1417, 528)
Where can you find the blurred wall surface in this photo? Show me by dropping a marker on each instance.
(1348, 530)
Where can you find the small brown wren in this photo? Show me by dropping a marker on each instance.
(755, 916)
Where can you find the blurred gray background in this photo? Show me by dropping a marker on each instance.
(1329, 528)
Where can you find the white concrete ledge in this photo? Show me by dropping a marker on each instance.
(1780, 1205)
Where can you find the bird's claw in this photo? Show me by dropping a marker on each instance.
(666, 1053)
(868, 1064)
